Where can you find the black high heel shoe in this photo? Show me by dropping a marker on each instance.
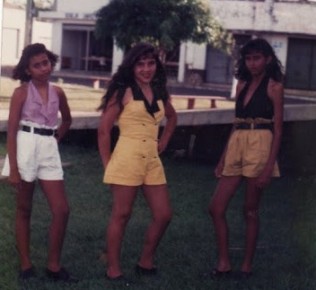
(27, 274)
(120, 280)
(216, 274)
(61, 275)
(141, 271)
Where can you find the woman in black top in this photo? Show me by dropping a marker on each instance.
(252, 149)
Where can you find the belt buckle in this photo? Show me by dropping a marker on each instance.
(28, 129)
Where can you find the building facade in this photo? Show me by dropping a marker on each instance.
(66, 27)
(287, 24)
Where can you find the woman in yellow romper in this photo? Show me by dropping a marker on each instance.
(252, 148)
(137, 99)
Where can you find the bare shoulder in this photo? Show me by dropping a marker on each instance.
(128, 92)
(240, 85)
(22, 88)
(59, 90)
(21, 92)
(127, 96)
(275, 88)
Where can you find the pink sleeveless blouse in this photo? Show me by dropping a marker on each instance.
(36, 111)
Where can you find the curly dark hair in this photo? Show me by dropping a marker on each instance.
(273, 69)
(124, 77)
(19, 71)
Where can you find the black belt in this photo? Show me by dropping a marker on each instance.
(251, 126)
(39, 131)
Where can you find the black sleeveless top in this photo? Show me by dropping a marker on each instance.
(259, 106)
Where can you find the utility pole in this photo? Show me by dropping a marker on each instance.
(1, 10)
(28, 22)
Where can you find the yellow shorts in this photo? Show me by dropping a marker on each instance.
(247, 153)
(135, 162)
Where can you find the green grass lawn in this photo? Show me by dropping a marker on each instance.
(285, 257)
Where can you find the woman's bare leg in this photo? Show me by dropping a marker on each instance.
(54, 191)
(24, 200)
(123, 200)
(157, 197)
(224, 191)
(251, 208)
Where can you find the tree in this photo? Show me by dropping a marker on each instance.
(164, 23)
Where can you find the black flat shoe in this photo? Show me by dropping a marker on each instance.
(119, 280)
(27, 274)
(216, 274)
(242, 275)
(61, 275)
(141, 271)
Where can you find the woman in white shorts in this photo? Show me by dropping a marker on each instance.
(32, 144)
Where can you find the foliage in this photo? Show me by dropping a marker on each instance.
(165, 23)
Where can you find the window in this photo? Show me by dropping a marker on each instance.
(301, 64)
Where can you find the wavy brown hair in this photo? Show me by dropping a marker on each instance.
(124, 77)
(273, 69)
(19, 71)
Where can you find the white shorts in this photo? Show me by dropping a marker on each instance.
(37, 157)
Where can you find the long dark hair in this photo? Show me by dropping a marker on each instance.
(124, 77)
(19, 71)
(273, 69)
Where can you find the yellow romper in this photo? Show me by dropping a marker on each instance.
(135, 159)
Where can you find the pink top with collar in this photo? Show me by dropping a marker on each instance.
(36, 111)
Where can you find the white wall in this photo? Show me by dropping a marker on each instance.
(74, 10)
(195, 56)
(117, 58)
(57, 43)
(43, 33)
(279, 44)
(13, 30)
(286, 17)
(80, 6)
